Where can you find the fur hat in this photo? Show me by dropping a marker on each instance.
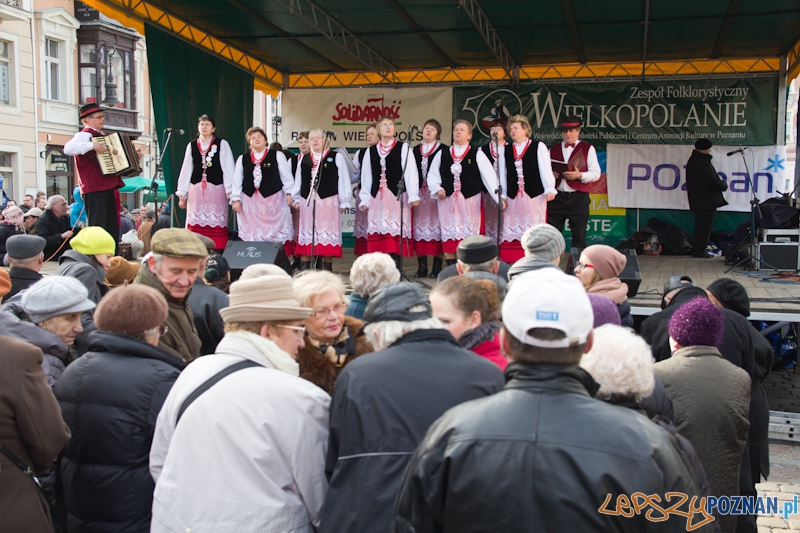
(543, 241)
(607, 262)
(131, 309)
(605, 310)
(93, 240)
(732, 295)
(698, 322)
(54, 296)
(263, 299)
(120, 271)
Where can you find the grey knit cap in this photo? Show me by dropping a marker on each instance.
(54, 296)
(543, 241)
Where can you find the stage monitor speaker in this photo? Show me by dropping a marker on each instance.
(779, 256)
(242, 254)
(630, 275)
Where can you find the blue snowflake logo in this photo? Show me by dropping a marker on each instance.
(775, 164)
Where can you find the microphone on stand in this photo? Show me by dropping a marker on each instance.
(739, 151)
(411, 130)
(177, 131)
(494, 135)
(331, 134)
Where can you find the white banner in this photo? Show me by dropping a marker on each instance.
(348, 112)
(653, 176)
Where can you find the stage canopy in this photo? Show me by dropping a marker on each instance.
(340, 43)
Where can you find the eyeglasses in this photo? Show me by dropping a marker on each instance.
(323, 313)
(581, 266)
(300, 331)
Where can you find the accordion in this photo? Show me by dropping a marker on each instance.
(121, 158)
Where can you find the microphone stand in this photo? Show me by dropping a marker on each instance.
(499, 191)
(401, 188)
(153, 187)
(754, 205)
(312, 197)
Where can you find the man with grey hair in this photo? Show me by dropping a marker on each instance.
(476, 254)
(488, 464)
(369, 273)
(543, 245)
(54, 227)
(178, 256)
(385, 401)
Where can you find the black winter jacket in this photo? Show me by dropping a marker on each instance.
(205, 302)
(50, 227)
(7, 230)
(383, 404)
(541, 455)
(703, 184)
(110, 399)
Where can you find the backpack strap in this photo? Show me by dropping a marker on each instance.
(207, 384)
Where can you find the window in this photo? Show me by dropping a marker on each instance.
(5, 73)
(52, 71)
(6, 176)
(88, 74)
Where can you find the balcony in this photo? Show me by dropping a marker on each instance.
(15, 10)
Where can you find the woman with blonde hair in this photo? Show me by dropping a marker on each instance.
(470, 308)
(332, 339)
(598, 269)
(527, 178)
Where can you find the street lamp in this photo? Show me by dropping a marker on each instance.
(106, 52)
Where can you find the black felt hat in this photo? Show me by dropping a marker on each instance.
(702, 144)
(476, 250)
(395, 302)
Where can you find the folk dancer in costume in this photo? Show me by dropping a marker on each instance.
(381, 172)
(361, 220)
(332, 199)
(100, 192)
(427, 231)
(489, 198)
(305, 148)
(205, 182)
(572, 202)
(261, 194)
(527, 179)
(456, 177)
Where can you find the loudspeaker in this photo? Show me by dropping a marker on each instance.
(779, 256)
(630, 275)
(242, 254)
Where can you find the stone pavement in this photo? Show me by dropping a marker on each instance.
(784, 483)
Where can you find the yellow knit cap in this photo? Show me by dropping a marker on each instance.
(93, 240)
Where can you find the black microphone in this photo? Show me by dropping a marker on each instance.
(413, 128)
(331, 134)
(179, 131)
(739, 151)
(494, 135)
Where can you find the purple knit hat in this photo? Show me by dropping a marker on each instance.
(605, 310)
(697, 323)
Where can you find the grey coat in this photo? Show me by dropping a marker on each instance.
(711, 398)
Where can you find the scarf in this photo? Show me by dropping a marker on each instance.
(337, 352)
(611, 287)
(275, 356)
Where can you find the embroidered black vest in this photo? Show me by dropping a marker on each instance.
(418, 159)
(328, 179)
(270, 177)
(471, 183)
(214, 172)
(394, 168)
(530, 170)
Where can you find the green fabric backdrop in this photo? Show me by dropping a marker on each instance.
(186, 83)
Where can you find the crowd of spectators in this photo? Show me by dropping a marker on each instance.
(157, 395)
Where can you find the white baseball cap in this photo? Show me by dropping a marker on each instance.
(548, 298)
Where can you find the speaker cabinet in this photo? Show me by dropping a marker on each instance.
(779, 256)
(242, 254)
(630, 275)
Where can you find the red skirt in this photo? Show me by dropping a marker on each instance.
(450, 247)
(511, 251)
(389, 244)
(326, 250)
(218, 234)
(360, 246)
(428, 247)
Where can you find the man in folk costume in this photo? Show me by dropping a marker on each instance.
(384, 165)
(361, 226)
(427, 231)
(456, 178)
(332, 198)
(205, 181)
(572, 202)
(527, 178)
(99, 191)
(497, 137)
(261, 193)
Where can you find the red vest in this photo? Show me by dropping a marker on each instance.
(90, 178)
(556, 154)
